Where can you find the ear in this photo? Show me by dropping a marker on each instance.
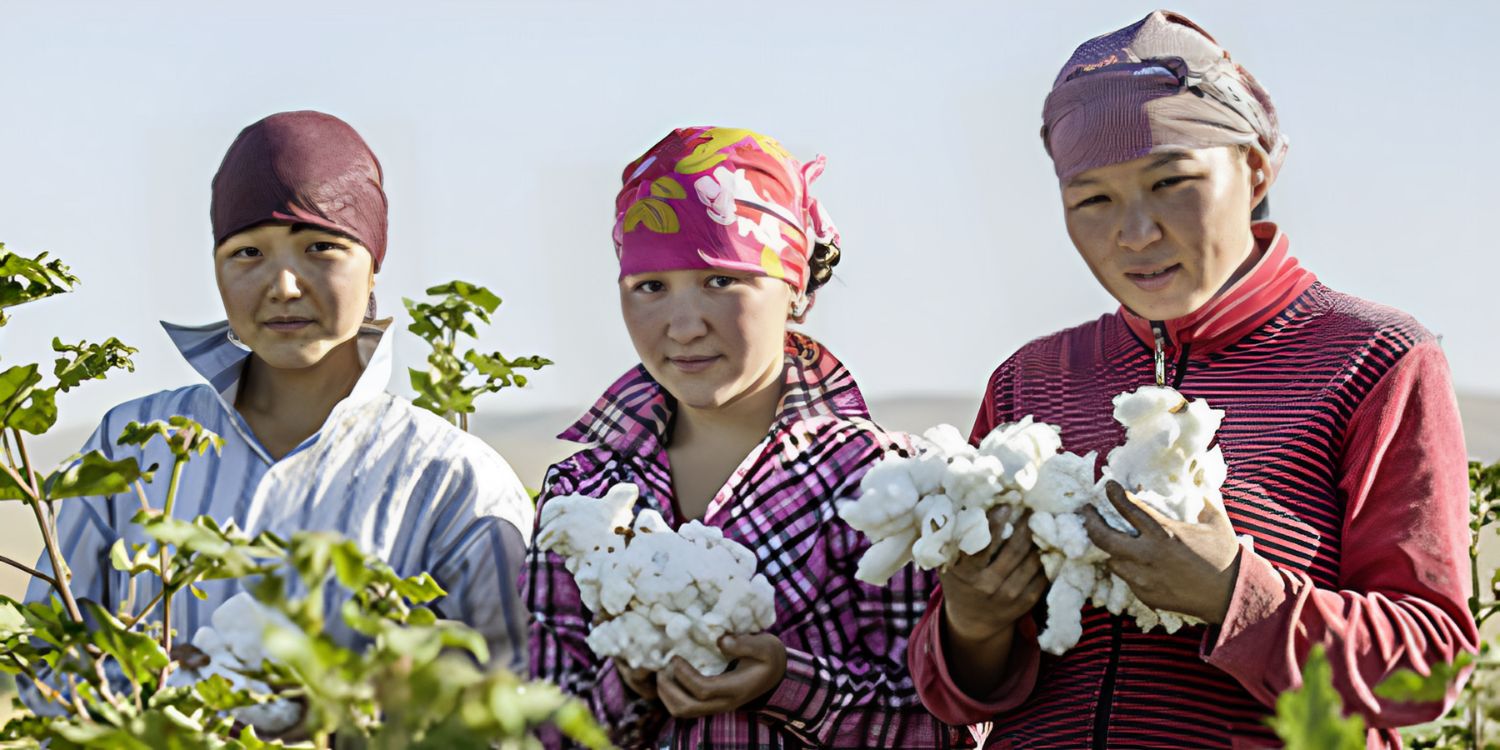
(1260, 182)
(800, 307)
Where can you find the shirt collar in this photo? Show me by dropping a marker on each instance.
(1269, 288)
(635, 414)
(220, 360)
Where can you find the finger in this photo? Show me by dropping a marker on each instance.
(997, 517)
(1029, 568)
(1105, 537)
(1214, 514)
(1035, 589)
(699, 686)
(1018, 544)
(753, 647)
(1144, 518)
(676, 700)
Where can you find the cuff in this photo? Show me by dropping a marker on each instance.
(941, 696)
(1259, 593)
(802, 696)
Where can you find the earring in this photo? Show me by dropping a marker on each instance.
(799, 308)
(1260, 176)
(234, 339)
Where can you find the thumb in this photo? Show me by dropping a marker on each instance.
(1213, 514)
(742, 646)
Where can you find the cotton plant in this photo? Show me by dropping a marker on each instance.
(656, 593)
(932, 506)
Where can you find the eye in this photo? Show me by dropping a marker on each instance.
(1171, 181)
(720, 282)
(1093, 200)
(246, 252)
(324, 247)
(649, 286)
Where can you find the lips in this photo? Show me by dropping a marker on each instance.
(287, 323)
(693, 364)
(1154, 280)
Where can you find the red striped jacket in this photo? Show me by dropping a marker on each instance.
(1346, 465)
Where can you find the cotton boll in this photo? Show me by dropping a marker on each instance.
(232, 643)
(1064, 484)
(972, 529)
(1022, 447)
(946, 439)
(590, 522)
(1065, 599)
(885, 557)
(936, 514)
(660, 593)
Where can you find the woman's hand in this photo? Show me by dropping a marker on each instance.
(640, 681)
(759, 664)
(984, 594)
(1173, 565)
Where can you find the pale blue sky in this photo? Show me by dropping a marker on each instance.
(503, 128)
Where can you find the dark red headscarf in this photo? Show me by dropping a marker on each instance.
(301, 167)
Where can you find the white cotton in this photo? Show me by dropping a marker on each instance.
(233, 645)
(657, 593)
(932, 508)
(1071, 587)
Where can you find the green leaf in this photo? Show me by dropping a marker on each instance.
(1407, 686)
(140, 656)
(1311, 717)
(93, 475)
(184, 437)
(22, 404)
(421, 589)
(89, 361)
(24, 280)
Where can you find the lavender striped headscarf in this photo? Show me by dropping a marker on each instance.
(1162, 81)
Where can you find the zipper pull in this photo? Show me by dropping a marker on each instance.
(1161, 356)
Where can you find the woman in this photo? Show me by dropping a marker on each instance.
(1345, 452)
(294, 381)
(733, 420)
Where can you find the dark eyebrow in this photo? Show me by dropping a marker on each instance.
(1169, 157)
(303, 226)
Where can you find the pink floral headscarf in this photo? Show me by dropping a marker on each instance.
(725, 198)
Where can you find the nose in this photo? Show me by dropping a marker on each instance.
(686, 324)
(1139, 228)
(285, 285)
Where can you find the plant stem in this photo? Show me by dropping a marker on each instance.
(33, 572)
(166, 568)
(49, 532)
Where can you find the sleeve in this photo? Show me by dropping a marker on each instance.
(929, 655)
(86, 528)
(559, 650)
(476, 558)
(1404, 578)
(857, 692)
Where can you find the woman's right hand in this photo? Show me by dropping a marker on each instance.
(640, 681)
(986, 593)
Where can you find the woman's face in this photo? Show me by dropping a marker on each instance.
(709, 337)
(1167, 232)
(293, 293)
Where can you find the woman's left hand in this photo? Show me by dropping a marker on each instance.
(1172, 565)
(760, 665)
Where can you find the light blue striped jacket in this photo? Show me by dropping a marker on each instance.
(398, 480)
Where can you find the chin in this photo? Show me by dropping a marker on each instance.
(291, 358)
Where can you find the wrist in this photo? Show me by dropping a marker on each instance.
(1227, 579)
(974, 629)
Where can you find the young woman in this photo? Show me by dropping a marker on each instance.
(1345, 452)
(736, 421)
(294, 381)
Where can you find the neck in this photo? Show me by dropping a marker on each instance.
(298, 401)
(746, 418)
(1252, 256)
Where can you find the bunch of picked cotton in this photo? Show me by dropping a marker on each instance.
(1165, 463)
(656, 593)
(233, 646)
(932, 507)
